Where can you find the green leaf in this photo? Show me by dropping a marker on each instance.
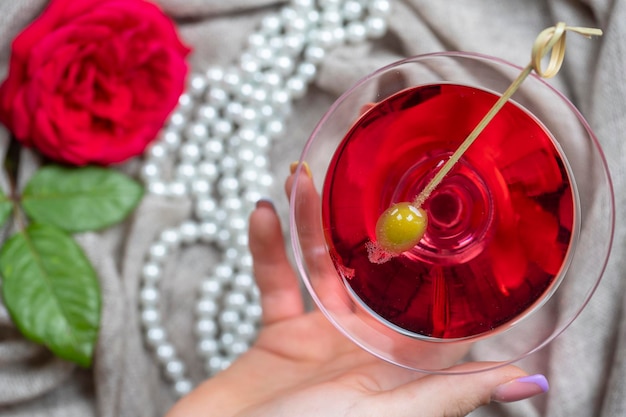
(52, 291)
(80, 199)
(6, 206)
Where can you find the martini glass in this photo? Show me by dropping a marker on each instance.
(518, 233)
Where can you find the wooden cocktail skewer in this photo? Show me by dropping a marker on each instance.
(403, 224)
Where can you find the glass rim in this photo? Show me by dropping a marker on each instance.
(557, 331)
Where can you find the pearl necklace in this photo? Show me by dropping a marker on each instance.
(215, 145)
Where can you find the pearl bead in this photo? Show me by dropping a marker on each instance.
(196, 132)
(151, 273)
(213, 149)
(227, 339)
(236, 300)
(197, 84)
(252, 196)
(313, 16)
(293, 43)
(329, 4)
(157, 188)
(259, 95)
(237, 224)
(355, 32)
(208, 347)
(155, 336)
(324, 38)
(297, 86)
(185, 103)
(284, 65)
(271, 24)
(231, 79)
(339, 33)
(214, 74)
(228, 185)
(183, 387)
(215, 364)
(206, 308)
(249, 176)
(307, 70)
(149, 297)
(245, 331)
(224, 272)
(165, 353)
(297, 24)
(265, 54)
(379, 8)
(272, 79)
(249, 115)
(205, 208)
(331, 18)
(352, 10)
(303, 4)
(228, 319)
(245, 91)
(158, 251)
(149, 171)
(157, 151)
(223, 128)
(177, 120)
(376, 26)
(150, 317)
(243, 281)
(170, 237)
(253, 312)
(229, 165)
(212, 288)
(206, 328)
(176, 188)
(220, 215)
(314, 54)
(237, 348)
(208, 231)
(200, 187)
(246, 261)
(241, 243)
(232, 204)
(208, 170)
(206, 114)
(256, 39)
(223, 237)
(217, 96)
(190, 152)
(189, 231)
(174, 369)
(232, 255)
(171, 139)
(246, 155)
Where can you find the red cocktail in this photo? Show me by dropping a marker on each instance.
(500, 224)
(518, 233)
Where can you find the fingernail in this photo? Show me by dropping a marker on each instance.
(294, 165)
(521, 388)
(265, 202)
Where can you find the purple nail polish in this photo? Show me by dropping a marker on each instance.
(265, 202)
(521, 388)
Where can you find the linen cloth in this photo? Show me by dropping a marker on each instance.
(586, 365)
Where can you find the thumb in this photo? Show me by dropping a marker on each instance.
(458, 395)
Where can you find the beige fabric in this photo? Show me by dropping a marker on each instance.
(586, 366)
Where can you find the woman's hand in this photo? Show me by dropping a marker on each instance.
(302, 366)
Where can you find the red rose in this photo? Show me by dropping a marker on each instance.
(92, 81)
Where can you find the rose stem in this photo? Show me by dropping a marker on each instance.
(550, 38)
